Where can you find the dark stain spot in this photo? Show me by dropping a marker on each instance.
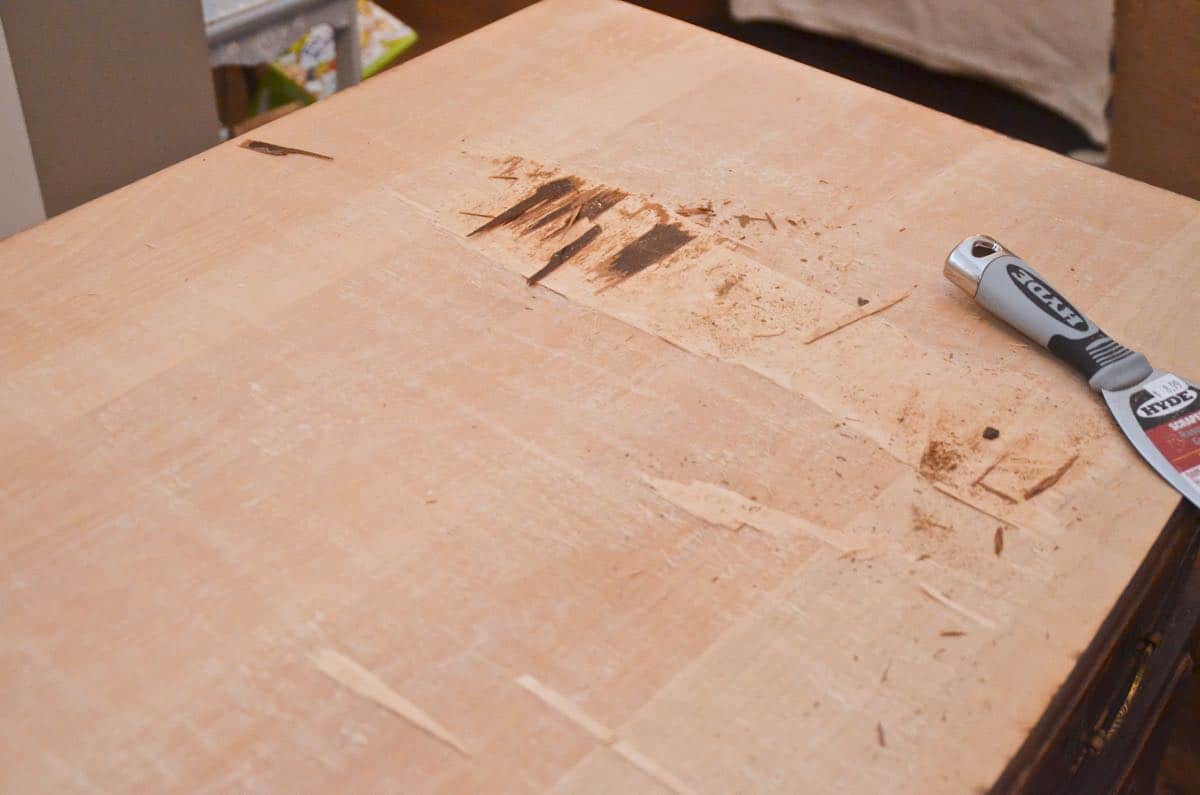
(939, 459)
(990, 433)
(564, 254)
(727, 285)
(864, 301)
(555, 189)
(657, 244)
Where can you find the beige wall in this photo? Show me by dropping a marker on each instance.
(20, 197)
(112, 90)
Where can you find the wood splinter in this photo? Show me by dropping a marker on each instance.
(860, 316)
(275, 150)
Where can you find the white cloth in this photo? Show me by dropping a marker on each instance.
(1054, 51)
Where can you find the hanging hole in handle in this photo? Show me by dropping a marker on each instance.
(984, 248)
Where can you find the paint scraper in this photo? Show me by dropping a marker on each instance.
(1158, 411)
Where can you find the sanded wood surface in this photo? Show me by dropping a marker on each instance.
(303, 487)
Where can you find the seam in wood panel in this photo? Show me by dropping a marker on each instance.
(359, 680)
(621, 747)
(721, 506)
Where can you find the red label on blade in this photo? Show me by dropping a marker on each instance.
(1179, 441)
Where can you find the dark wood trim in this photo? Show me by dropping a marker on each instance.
(1080, 744)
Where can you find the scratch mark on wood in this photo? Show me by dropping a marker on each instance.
(555, 189)
(660, 242)
(865, 314)
(564, 254)
(996, 492)
(601, 733)
(699, 209)
(570, 221)
(950, 604)
(659, 211)
(600, 202)
(770, 220)
(510, 165)
(1050, 479)
(745, 220)
(988, 471)
(275, 150)
(475, 215)
(998, 540)
(590, 206)
(949, 493)
(880, 736)
(557, 212)
(358, 679)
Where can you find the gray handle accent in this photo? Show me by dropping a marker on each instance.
(1006, 286)
(1018, 295)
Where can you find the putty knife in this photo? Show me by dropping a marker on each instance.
(1159, 412)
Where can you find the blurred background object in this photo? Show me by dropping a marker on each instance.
(250, 32)
(21, 200)
(1156, 97)
(283, 65)
(1053, 51)
(110, 91)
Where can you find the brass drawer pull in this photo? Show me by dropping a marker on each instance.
(1100, 737)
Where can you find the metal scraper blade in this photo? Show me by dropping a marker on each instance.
(1160, 416)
